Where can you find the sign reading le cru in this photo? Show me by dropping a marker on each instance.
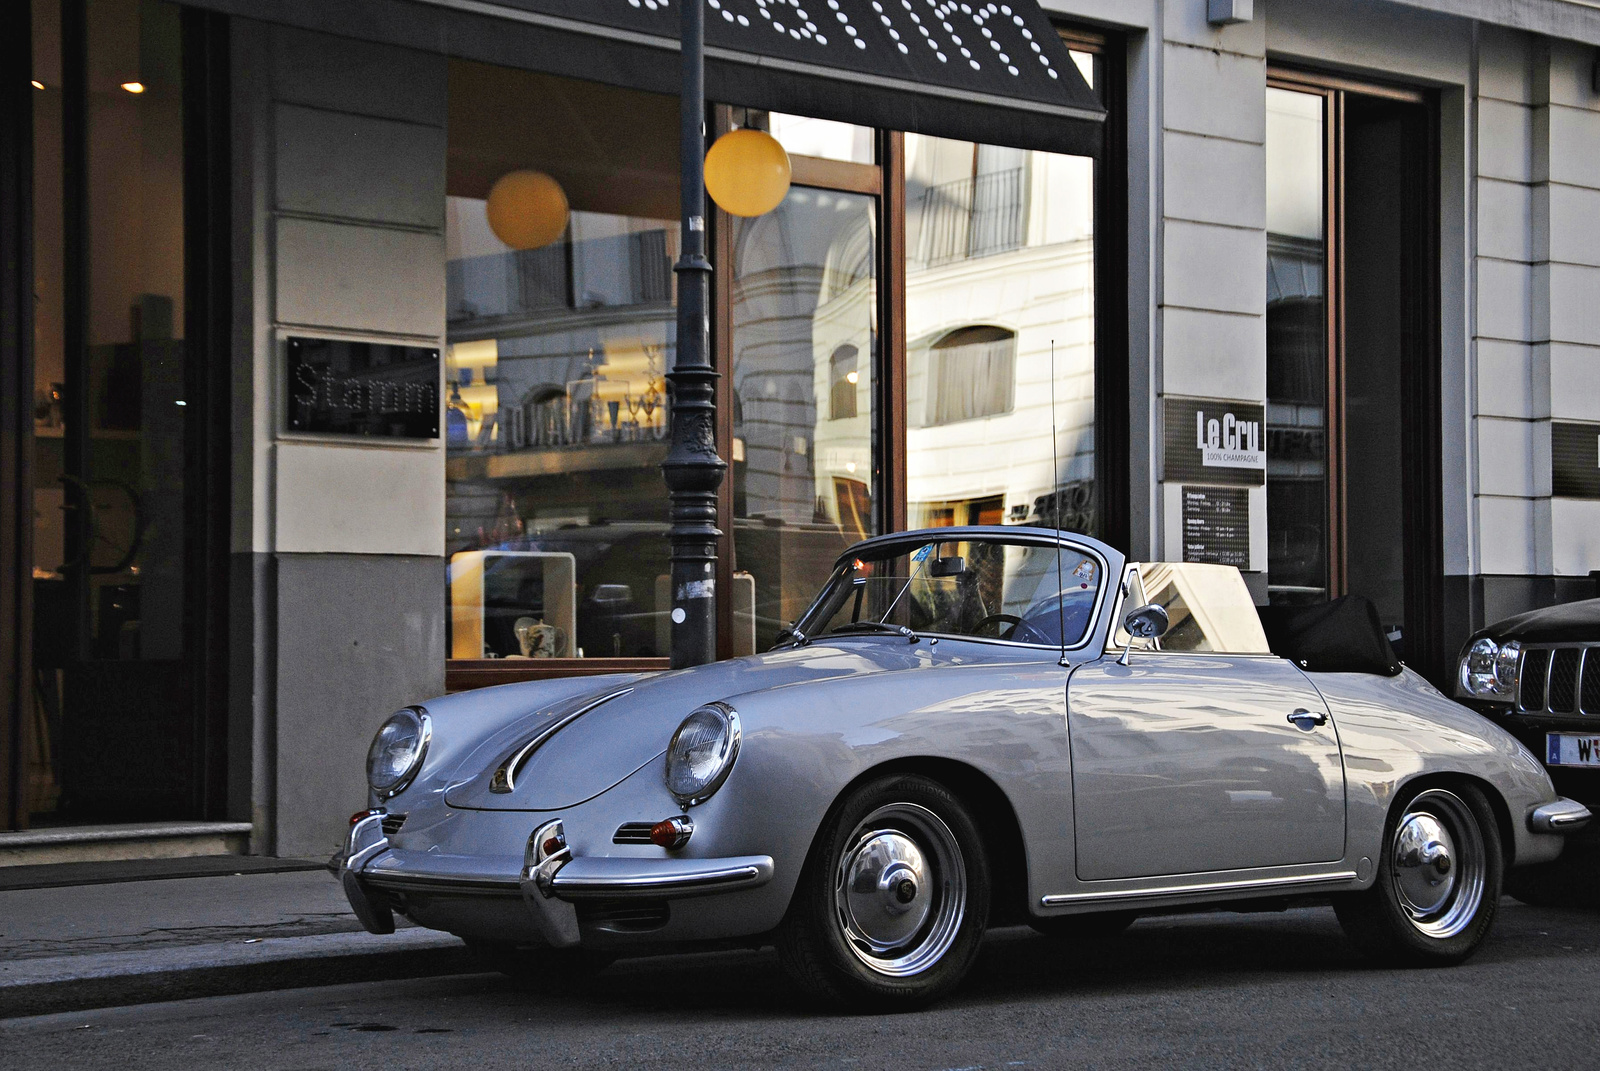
(363, 388)
(1214, 442)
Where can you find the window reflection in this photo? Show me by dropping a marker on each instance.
(556, 414)
(999, 273)
(804, 350)
(1297, 362)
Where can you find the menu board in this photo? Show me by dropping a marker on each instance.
(1216, 525)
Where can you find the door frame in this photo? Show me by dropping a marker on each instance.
(1421, 462)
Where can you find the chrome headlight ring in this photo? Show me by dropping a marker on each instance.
(398, 750)
(1488, 670)
(702, 753)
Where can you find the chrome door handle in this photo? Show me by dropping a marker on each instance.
(1307, 720)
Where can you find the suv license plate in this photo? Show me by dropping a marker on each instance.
(1571, 749)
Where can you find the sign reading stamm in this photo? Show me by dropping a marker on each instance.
(374, 389)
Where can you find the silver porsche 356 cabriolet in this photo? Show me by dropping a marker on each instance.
(969, 727)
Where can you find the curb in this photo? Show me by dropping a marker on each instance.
(115, 979)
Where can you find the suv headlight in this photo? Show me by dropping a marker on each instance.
(397, 751)
(702, 752)
(1489, 670)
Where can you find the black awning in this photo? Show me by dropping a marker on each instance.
(991, 72)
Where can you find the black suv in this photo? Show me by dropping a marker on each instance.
(1537, 675)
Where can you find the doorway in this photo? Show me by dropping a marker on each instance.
(121, 714)
(1353, 420)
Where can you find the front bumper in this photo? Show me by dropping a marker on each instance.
(1562, 816)
(548, 879)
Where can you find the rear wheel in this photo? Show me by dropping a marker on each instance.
(891, 907)
(1438, 882)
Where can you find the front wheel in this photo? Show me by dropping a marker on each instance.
(891, 908)
(1438, 882)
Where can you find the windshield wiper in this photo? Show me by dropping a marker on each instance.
(875, 626)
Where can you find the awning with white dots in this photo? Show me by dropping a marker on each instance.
(992, 72)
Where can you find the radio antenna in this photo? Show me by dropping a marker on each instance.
(1055, 505)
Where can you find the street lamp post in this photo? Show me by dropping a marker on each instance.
(692, 469)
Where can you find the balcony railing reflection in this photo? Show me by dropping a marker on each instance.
(975, 217)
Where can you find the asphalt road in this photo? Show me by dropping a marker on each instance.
(1270, 991)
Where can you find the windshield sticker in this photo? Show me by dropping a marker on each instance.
(927, 548)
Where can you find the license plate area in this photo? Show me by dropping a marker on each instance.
(1572, 749)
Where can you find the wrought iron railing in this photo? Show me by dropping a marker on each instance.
(975, 217)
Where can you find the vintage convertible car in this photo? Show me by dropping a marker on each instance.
(969, 727)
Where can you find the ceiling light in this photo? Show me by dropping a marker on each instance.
(37, 84)
(133, 87)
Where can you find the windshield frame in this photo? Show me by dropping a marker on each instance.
(900, 542)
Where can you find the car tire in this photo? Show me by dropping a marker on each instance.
(545, 970)
(891, 907)
(1100, 927)
(1438, 883)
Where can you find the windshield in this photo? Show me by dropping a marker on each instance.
(985, 588)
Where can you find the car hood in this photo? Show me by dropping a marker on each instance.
(633, 720)
(1571, 622)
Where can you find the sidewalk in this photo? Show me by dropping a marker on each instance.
(131, 942)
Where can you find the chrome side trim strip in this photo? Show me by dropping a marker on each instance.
(1157, 892)
(505, 776)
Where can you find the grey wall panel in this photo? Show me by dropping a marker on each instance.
(358, 167)
(357, 76)
(357, 637)
(359, 278)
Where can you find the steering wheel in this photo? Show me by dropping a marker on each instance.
(998, 619)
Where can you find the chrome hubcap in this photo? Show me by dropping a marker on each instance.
(901, 890)
(1437, 864)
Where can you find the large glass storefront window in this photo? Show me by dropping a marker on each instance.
(805, 345)
(556, 414)
(999, 326)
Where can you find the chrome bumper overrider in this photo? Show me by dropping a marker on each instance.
(1562, 816)
(550, 879)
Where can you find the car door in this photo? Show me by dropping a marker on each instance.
(1194, 761)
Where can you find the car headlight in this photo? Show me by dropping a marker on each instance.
(702, 752)
(397, 751)
(1489, 670)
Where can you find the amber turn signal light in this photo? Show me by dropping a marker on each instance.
(672, 833)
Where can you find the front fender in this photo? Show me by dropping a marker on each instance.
(1395, 730)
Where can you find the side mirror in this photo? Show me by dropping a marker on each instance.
(1146, 622)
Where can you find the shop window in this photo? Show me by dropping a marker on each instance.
(999, 311)
(804, 309)
(556, 513)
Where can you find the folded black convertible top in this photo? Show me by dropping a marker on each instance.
(1341, 636)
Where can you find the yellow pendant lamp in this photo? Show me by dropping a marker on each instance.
(747, 172)
(527, 209)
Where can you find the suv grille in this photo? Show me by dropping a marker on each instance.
(1560, 680)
